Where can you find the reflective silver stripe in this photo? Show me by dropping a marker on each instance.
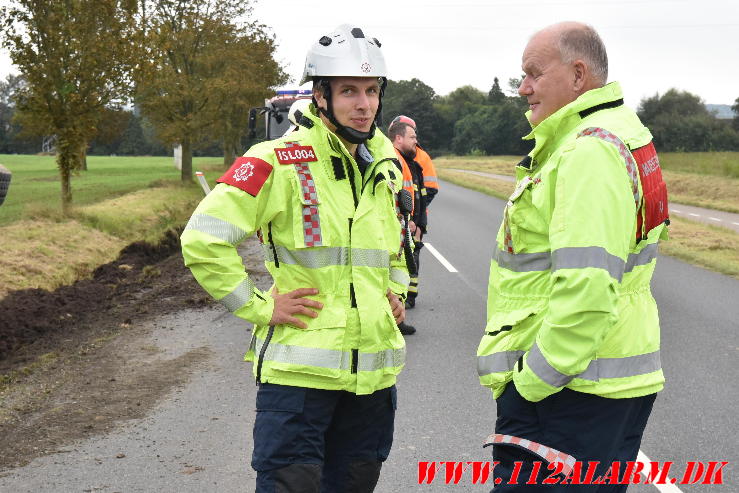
(369, 257)
(216, 227)
(329, 358)
(239, 296)
(628, 366)
(314, 258)
(497, 362)
(388, 358)
(431, 179)
(407, 184)
(541, 367)
(647, 254)
(400, 276)
(523, 262)
(308, 356)
(583, 257)
(541, 261)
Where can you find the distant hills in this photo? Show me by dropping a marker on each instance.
(722, 111)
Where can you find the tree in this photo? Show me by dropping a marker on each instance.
(110, 131)
(8, 88)
(75, 56)
(735, 109)
(246, 82)
(196, 59)
(679, 121)
(495, 95)
(414, 99)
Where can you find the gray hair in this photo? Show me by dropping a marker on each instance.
(582, 42)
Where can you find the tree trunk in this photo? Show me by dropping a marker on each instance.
(66, 161)
(186, 174)
(229, 153)
(83, 156)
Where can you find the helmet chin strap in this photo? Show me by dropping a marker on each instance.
(349, 134)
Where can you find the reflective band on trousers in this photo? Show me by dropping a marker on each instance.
(314, 258)
(328, 358)
(574, 258)
(239, 296)
(218, 228)
(551, 455)
(628, 366)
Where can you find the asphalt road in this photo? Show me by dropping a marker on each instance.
(199, 438)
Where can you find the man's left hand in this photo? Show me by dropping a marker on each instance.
(397, 306)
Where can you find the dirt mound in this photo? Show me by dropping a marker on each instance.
(144, 277)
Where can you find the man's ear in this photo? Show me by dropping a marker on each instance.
(320, 99)
(579, 72)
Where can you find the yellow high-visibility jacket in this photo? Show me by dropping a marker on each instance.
(569, 300)
(323, 225)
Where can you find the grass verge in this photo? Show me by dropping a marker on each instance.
(702, 179)
(711, 247)
(48, 250)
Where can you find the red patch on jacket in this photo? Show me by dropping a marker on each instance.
(247, 174)
(296, 154)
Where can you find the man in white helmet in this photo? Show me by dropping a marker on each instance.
(326, 347)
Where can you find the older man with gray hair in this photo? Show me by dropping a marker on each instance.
(571, 344)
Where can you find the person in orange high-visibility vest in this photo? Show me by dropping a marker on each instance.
(419, 178)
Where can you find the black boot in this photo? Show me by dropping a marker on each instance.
(406, 329)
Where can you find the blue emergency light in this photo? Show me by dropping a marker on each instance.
(294, 92)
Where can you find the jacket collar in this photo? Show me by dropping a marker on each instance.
(373, 148)
(562, 121)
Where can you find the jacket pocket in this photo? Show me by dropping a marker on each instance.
(508, 335)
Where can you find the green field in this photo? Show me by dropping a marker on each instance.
(35, 184)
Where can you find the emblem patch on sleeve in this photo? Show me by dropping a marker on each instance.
(247, 174)
(295, 154)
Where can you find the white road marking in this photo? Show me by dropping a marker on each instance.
(694, 214)
(715, 219)
(440, 258)
(663, 488)
(677, 211)
(735, 224)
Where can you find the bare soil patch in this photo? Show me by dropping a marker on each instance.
(72, 364)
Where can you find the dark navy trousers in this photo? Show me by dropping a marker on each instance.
(312, 440)
(585, 426)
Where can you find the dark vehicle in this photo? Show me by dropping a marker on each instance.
(275, 112)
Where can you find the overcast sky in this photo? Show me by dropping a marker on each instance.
(653, 45)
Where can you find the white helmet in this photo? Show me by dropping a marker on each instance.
(296, 112)
(346, 52)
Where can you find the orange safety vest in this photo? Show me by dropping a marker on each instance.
(430, 180)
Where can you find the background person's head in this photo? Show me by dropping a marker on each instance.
(349, 77)
(560, 63)
(403, 136)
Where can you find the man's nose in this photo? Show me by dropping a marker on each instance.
(362, 101)
(524, 88)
